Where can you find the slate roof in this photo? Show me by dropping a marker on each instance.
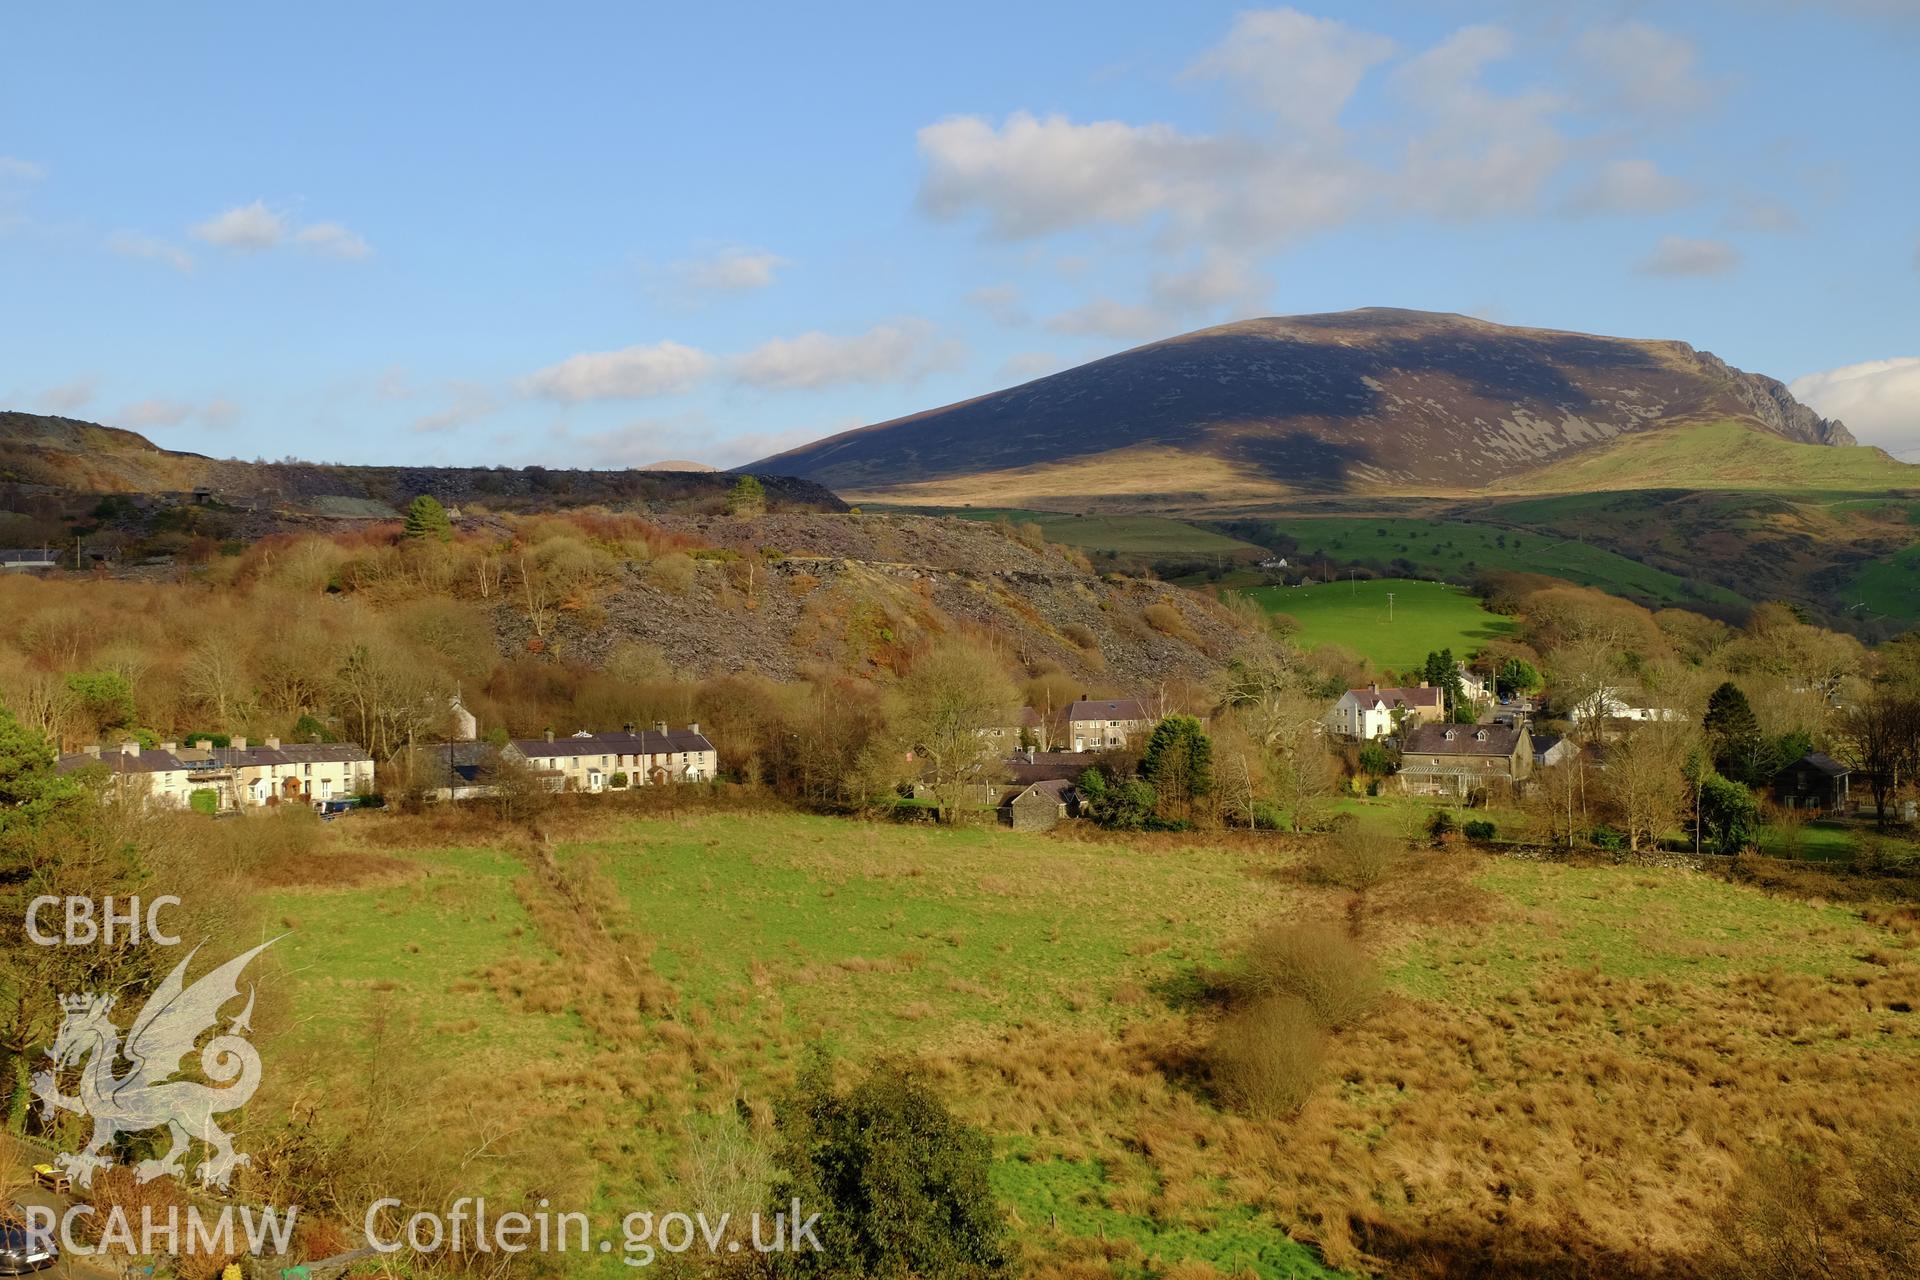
(1054, 789)
(1110, 709)
(1066, 765)
(1433, 740)
(1414, 697)
(119, 762)
(644, 743)
(1821, 762)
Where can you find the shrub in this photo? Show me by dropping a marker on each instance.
(674, 572)
(1316, 963)
(899, 1183)
(1164, 618)
(1376, 759)
(1080, 635)
(1356, 858)
(1441, 826)
(1479, 829)
(204, 800)
(1267, 1057)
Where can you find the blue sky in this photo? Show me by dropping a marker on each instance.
(607, 235)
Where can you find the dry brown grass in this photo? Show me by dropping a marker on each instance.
(1315, 963)
(1266, 1058)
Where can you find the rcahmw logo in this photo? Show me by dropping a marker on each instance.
(146, 1097)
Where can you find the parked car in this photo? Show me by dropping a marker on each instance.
(20, 1251)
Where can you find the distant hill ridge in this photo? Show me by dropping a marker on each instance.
(1374, 400)
(66, 455)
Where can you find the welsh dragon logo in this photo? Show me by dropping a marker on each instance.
(147, 1097)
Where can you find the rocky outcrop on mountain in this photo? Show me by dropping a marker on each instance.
(1768, 400)
(1369, 401)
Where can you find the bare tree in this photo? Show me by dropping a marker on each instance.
(1645, 780)
(1879, 739)
(943, 708)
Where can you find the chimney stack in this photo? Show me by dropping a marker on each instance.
(693, 726)
(169, 747)
(239, 743)
(92, 749)
(273, 744)
(549, 735)
(660, 726)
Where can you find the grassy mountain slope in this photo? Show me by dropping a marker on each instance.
(1718, 455)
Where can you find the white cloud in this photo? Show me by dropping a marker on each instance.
(1630, 187)
(333, 240)
(1757, 214)
(135, 244)
(632, 373)
(1642, 69)
(1879, 400)
(74, 394)
(1680, 256)
(1107, 318)
(248, 226)
(1480, 153)
(1303, 70)
(1033, 176)
(1219, 282)
(731, 270)
(466, 402)
(895, 351)
(254, 228)
(14, 169)
(1004, 303)
(165, 411)
(1028, 365)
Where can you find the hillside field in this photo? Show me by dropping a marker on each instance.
(1422, 617)
(1128, 535)
(1455, 550)
(1546, 1029)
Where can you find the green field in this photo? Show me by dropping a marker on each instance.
(1151, 536)
(1721, 455)
(1422, 617)
(1050, 987)
(1890, 586)
(1458, 550)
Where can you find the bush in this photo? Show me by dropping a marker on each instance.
(1267, 1057)
(674, 573)
(1441, 826)
(1479, 829)
(1376, 759)
(1080, 635)
(1164, 618)
(204, 800)
(1356, 858)
(1316, 963)
(899, 1183)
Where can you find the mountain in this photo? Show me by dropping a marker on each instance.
(1370, 401)
(44, 459)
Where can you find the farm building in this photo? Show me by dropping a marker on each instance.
(1456, 759)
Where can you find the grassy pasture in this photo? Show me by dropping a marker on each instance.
(1457, 550)
(1425, 616)
(1565, 1032)
(1720, 455)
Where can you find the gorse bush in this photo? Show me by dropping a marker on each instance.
(1266, 1058)
(899, 1183)
(1315, 963)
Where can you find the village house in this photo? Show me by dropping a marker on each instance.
(237, 776)
(1028, 730)
(1618, 704)
(1041, 806)
(592, 761)
(1374, 712)
(1550, 749)
(1105, 725)
(1815, 781)
(1458, 759)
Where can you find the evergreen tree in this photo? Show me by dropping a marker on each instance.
(426, 518)
(748, 497)
(1733, 735)
(1517, 676)
(1178, 764)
